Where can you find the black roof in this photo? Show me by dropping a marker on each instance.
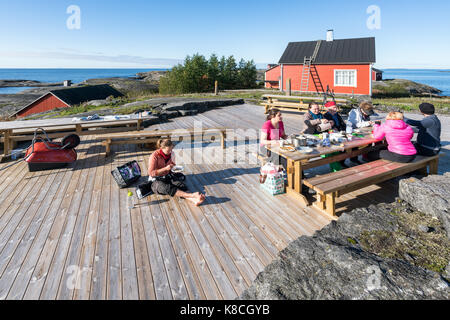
(377, 70)
(77, 95)
(343, 51)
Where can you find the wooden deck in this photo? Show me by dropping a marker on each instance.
(67, 233)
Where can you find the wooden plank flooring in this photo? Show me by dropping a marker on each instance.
(68, 234)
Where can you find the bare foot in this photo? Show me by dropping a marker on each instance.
(200, 199)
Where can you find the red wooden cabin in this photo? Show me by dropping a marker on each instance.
(65, 98)
(344, 66)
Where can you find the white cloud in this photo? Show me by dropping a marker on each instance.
(73, 58)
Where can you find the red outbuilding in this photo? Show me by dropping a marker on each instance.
(65, 98)
(343, 66)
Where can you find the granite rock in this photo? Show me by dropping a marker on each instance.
(341, 262)
(429, 195)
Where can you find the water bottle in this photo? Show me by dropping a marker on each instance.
(326, 140)
(349, 127)
(130, 200)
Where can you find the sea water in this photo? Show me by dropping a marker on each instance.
(439, 79)
(59, 75)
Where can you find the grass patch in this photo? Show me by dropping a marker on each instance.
(139, 95)
(131, 110)
(82, 108)
(412, 103)
(429, 250)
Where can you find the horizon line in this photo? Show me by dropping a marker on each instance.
(168, 68)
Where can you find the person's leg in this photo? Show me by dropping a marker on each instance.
(342, 162)
(178, 181)
(283, 162)
(274, 158)
(164, 188)
(374, 155)
(424, 151)
(263, 151)
(355, 159)
(196, 198)
(334, 166)
(271, 157)
(395, 157)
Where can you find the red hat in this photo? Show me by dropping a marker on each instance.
(330, 104)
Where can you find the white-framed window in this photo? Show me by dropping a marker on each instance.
(345, 78)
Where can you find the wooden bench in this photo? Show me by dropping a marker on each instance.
(17, 131)
(143, 137)
(332, 185)
(291, 103)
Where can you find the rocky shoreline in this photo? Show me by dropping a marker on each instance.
(402, 87)
(148, 82)
(27, 83)
(399, 250)
(162, 109)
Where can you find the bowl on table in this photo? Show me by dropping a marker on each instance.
(305, 149)
(300, 141)
(177, 169)
(287, 148)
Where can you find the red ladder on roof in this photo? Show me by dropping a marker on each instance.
(305, 74)
(310, 68)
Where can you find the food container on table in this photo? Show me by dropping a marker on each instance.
(305, 149)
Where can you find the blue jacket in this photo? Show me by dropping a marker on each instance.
(429, 135)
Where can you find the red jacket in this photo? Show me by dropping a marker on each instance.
(158, 162)
(398, 136)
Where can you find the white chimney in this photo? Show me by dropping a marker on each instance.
(330, 35)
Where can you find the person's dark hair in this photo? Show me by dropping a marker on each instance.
(272, 113)
(164, 143)
(426, 108)
(312, 104)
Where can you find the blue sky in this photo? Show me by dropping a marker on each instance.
(147, 34)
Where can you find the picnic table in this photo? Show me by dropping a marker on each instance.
(298, 161)
(334, 184)
(14, 131)
(291, 103)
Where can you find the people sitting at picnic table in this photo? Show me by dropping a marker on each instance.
(164, 181)
(360, 117)
(338, 123)
(314, 120)
(429, 137)
(398, 136)
(271, 132)
(334, 117)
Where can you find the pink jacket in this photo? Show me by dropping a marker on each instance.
(398, 136)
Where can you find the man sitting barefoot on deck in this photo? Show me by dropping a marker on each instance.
(164, 181)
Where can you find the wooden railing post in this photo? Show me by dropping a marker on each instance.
(216, 88)
(288, 85)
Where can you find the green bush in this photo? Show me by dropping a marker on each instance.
(197, 74)
(392, 91)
